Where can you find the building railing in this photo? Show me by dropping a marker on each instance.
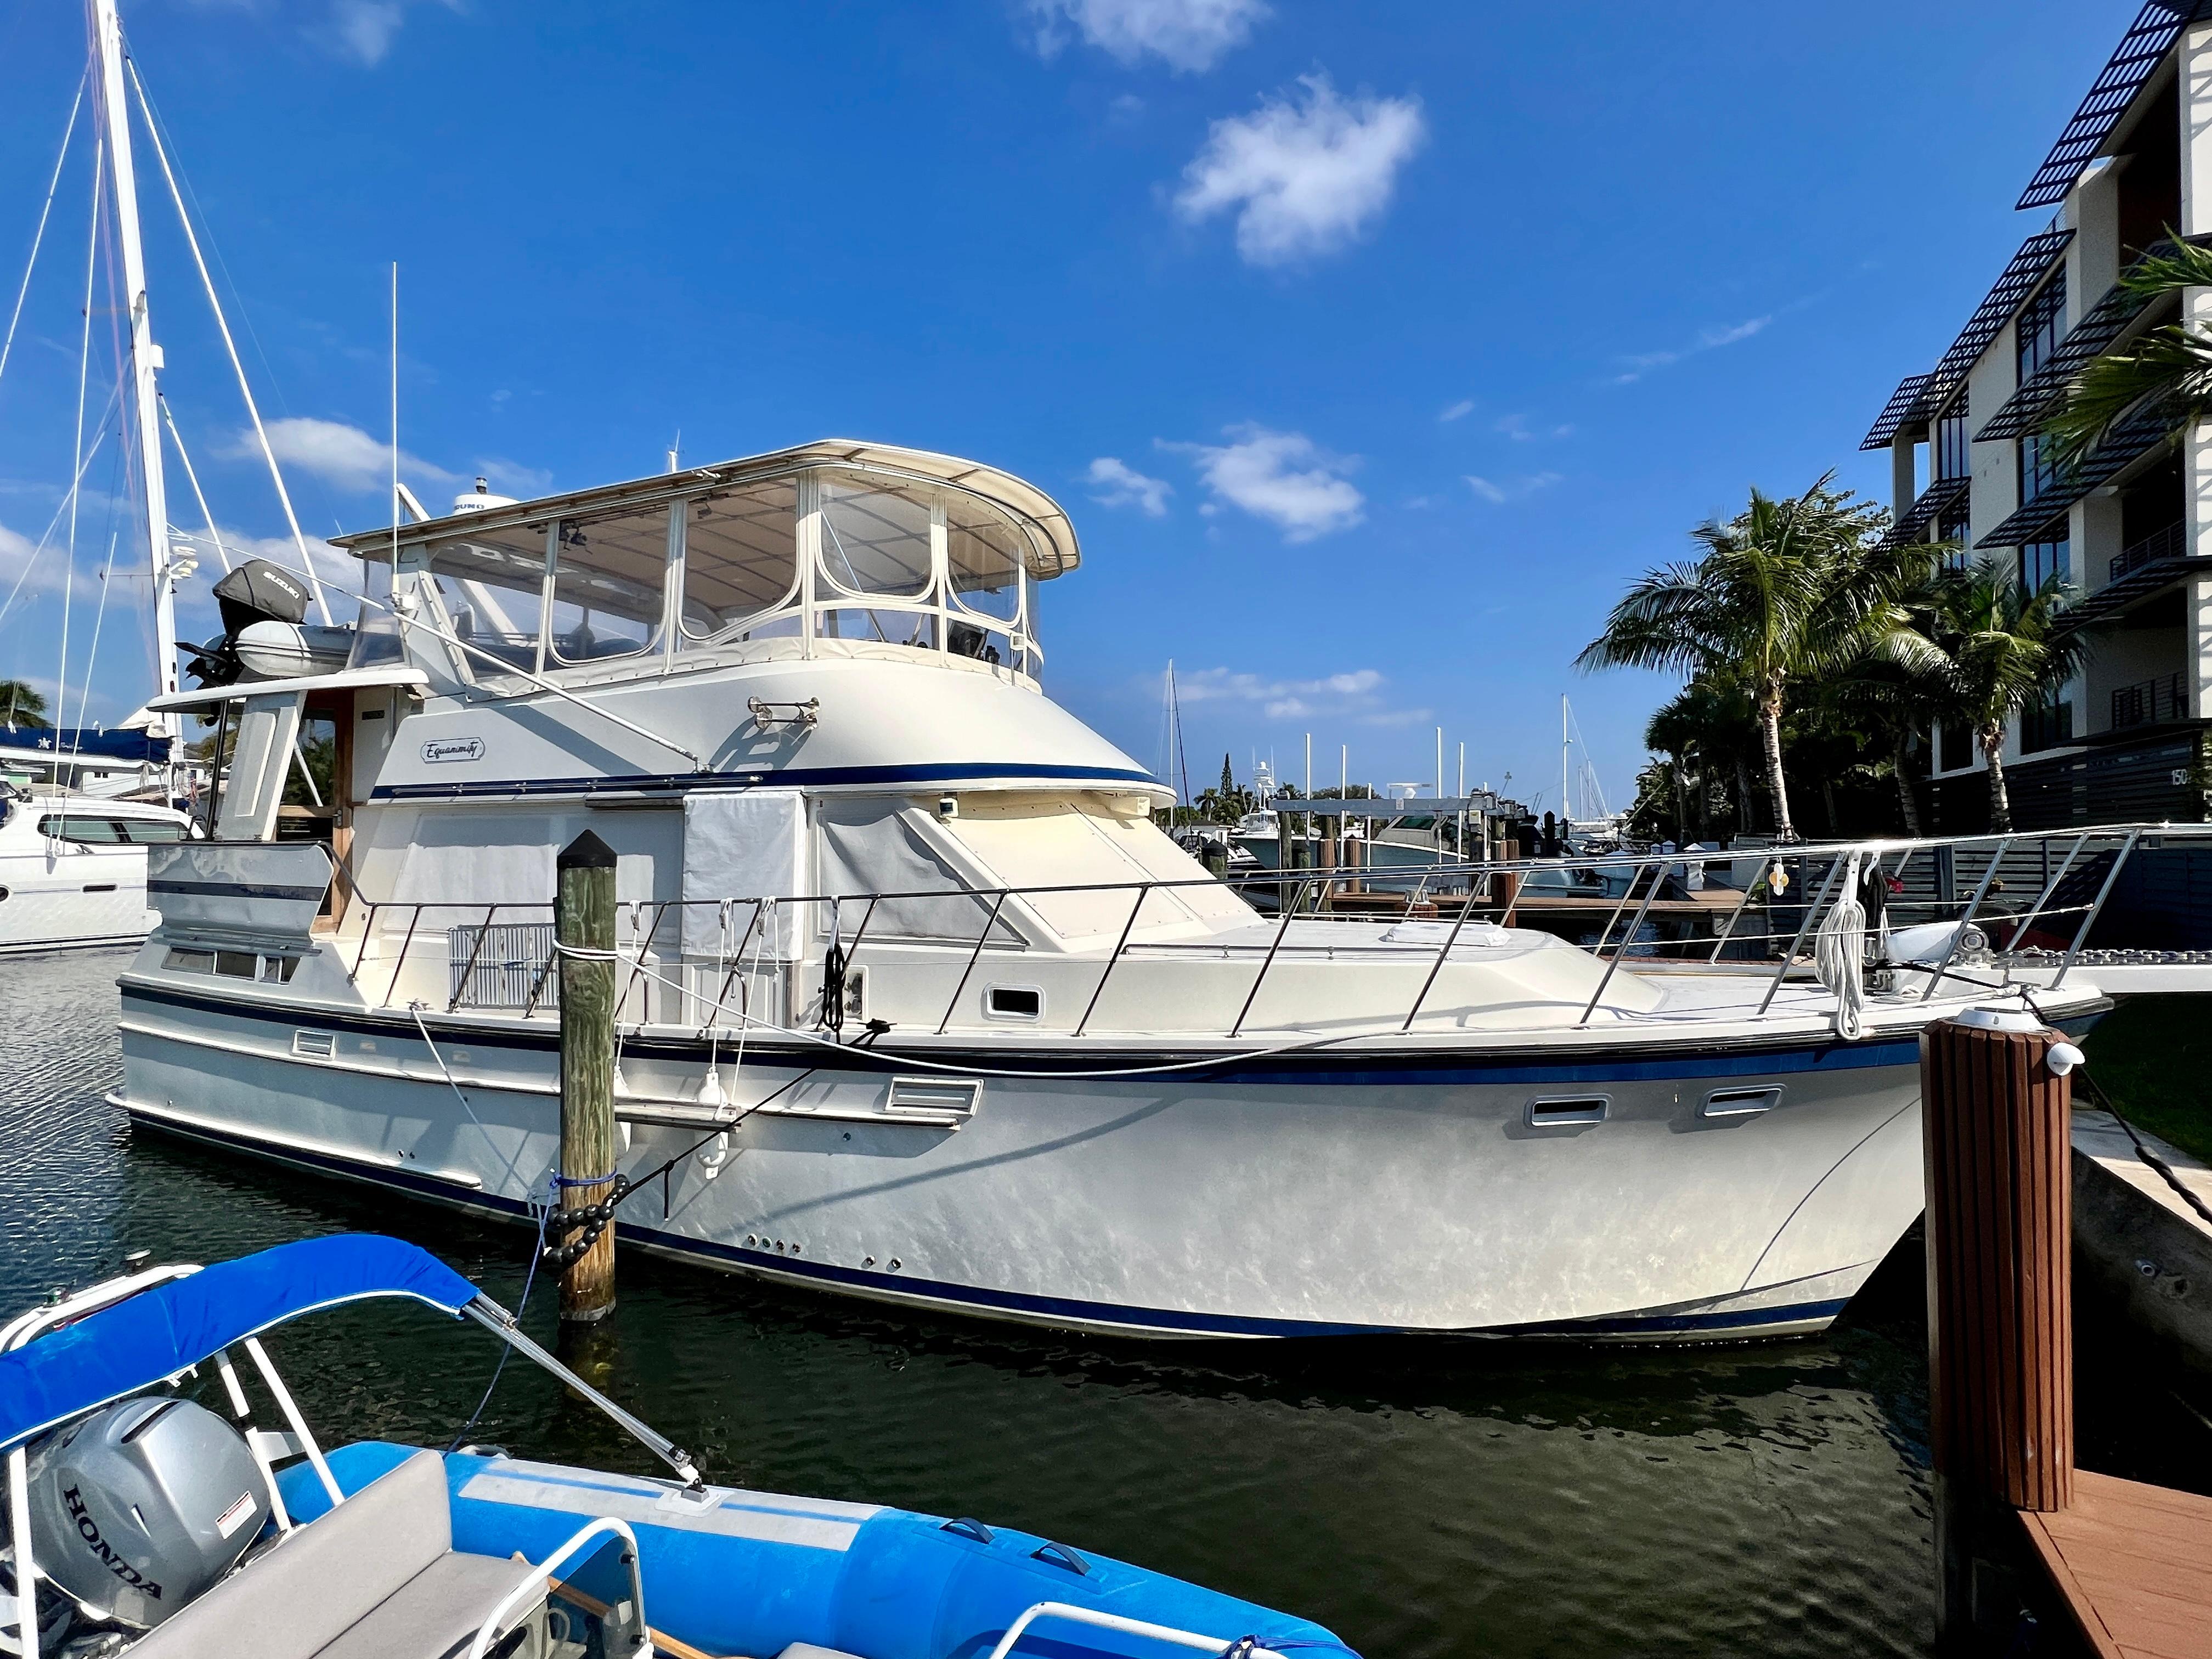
(2152, 702)
(1777, 900)
(2171, 542)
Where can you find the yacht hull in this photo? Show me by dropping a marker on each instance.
(1316, 1194)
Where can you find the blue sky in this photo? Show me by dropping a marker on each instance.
(1373, 347)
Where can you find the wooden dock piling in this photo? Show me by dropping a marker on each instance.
(584, 925)
(2128, 1565)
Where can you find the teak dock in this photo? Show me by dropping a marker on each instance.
(2133, 1565)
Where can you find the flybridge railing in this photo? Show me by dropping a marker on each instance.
(1762, 910)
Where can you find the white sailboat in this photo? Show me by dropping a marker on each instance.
(72, 860)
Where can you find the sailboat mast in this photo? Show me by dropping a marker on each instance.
(145, 356)
(1566, 809)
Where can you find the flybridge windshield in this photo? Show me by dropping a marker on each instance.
(819, 561)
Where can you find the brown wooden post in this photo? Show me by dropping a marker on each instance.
(2000, 1311)
(584, 922)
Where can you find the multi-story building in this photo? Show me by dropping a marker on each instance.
(2131, 526)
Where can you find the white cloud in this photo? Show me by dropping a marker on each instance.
(1357, 695)
(1284, 477)
(1124, 486)
(1188, 35)
(1304, 176)
(1516, 427)
(342, 456)
(512, 478)
(1465, 406)
(1512, 489)
(1710, 339)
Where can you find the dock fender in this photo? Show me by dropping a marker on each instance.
(1856, 1212)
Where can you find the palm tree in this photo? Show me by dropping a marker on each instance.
(2003, 649)
(1787, 590)
(2171, 365)
(21, 705)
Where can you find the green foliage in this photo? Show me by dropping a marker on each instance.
(20, 704)
(2168, 367)
(2149, 1056)
(1789, 592)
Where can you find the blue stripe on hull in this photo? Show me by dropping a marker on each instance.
(957, 1299)
(1336, 1070)
(786, 777)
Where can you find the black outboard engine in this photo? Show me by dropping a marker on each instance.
(141, 1507)
(256, 592)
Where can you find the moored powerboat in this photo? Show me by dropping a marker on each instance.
(73, 868)
(918, 1004)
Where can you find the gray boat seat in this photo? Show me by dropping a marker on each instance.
(377, 1575)
(808, 1650)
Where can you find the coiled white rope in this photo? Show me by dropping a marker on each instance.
(1840, 955)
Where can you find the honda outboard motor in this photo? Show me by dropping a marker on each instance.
(257, 592)
(141, 1507)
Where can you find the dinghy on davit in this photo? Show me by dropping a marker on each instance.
(159, 1529)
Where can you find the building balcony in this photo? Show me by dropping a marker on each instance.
(2151, 702)
(2171, 542)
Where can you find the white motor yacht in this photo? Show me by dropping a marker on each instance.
(73, 868)
(919, 1004)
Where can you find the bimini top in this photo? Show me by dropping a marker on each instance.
(151, 1336)
(1052, 551)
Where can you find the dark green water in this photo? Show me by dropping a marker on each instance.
(1419, 1498)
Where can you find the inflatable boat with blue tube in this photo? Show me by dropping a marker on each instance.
(141, 1521)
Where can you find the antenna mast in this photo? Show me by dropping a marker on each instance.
(145, 356)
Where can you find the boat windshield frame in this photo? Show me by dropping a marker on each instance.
(882, 560)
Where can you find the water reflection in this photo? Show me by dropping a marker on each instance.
(1423, 1498)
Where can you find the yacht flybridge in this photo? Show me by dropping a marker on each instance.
(924, 1006)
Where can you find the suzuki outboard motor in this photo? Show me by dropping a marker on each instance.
(141, 1507)
(257, 592)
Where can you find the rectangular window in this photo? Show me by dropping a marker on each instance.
(741, 562)
(1953, 448)
(493, 587)
(1954, 527)
(148, 830)
(2041, 560)
(609, 575)
(2042, 320)
(2039, 472)
(875, 540)
(90, 832)
(2047, 726)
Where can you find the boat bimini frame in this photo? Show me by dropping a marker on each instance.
(233, 1305)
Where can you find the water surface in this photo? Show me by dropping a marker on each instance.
(1420, 1498)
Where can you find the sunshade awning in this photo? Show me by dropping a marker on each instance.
(136, 1344)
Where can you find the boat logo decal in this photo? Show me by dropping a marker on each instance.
(454, 749)
(88, 1530)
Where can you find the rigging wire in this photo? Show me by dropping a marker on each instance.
(230, 345)
(37, 237)
(54, 523)
(77, 491)
(192, 478)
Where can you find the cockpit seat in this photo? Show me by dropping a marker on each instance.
(377, 1577)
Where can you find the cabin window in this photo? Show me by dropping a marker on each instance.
(376, 632)
(493, 588)
(875, 541)
(609, 575)
(741, 562)
(148, 830)
(983, 552)
(90, 832)
(915, 628)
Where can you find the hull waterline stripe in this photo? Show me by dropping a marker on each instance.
(1162, 1321)
(1343, 1069)
(781, 778)
(232, 890)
